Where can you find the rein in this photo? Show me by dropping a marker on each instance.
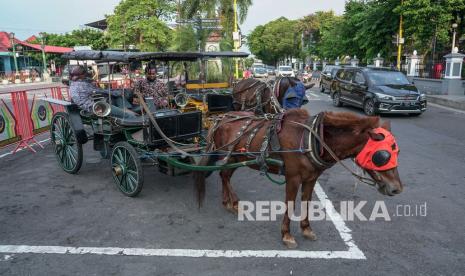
(359, 177)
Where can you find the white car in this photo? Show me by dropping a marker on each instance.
(260, 73)
(285, 71)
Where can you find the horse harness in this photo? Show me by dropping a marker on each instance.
(260, 87)
(313, 144)
(270, 139)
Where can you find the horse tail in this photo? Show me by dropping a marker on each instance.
(200, 176)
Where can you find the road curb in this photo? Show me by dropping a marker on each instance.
(455, 102)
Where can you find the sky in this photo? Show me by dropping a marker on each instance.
(28, 17)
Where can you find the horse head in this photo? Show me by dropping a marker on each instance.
(379, 159)
(370, 143)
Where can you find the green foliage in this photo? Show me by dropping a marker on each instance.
(209, 8)
(366, 29)
(429, 19)
(83, 37)
(184, 39)
(248, 62)
(140, 23)
(275, 40)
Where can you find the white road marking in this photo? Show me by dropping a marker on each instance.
(353, 251)
(11, 152)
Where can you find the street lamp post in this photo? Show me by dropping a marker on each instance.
(236, 39)
(42, 40)
(454, 27)
(400, 40)
(13, 46)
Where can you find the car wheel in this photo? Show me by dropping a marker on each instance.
(337, 99)
(322, 88)
(369, 107)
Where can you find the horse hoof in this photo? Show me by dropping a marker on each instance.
(308, 234)
(290, 242)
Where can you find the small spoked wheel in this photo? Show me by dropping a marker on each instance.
(67, 149)
(126, 169)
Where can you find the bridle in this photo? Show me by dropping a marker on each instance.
(317, 160)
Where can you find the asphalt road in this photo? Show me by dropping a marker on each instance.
(40, 205)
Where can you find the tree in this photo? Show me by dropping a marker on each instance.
(428, 22)
(209, 8)
(81, 37)
(141, 23)
(184, 39)
(312, 27)
(275, 40)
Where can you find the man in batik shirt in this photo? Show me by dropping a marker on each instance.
(152, 87)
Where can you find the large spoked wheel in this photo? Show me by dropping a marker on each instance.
(126, 169)
(67, 149)
(369, 107)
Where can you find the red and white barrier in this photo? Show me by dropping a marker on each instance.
(23, 115)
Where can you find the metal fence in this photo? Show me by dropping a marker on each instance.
(426, 70)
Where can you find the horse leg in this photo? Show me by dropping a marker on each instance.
(307, 190)
(230, 199)
(292, 187)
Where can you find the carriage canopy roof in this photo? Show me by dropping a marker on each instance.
(115, 56)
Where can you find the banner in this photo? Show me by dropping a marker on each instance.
(7, 125)
(41, 115)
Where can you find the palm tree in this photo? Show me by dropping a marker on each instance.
(211, 8)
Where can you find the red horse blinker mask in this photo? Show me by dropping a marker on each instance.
(379, 155)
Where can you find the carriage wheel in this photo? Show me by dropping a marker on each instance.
(126, 169)
(67, 149)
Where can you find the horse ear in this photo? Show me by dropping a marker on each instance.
(375, 136)
(367, 123)
(386, 125)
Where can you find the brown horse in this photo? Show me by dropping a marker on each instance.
(344, 133)
(262, 97)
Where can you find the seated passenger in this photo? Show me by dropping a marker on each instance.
(81, 91)
(153, 87)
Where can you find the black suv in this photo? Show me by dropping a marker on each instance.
(327, 78)
(377, 90)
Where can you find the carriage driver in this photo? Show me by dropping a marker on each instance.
(82, 89)
(153, 87)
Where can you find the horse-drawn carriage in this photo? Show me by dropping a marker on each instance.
(259, 134)
(171, 138)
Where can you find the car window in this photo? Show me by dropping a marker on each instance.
(333, 72)
(387, 77)
(359, 78)
(348, 75)
(340, 74)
